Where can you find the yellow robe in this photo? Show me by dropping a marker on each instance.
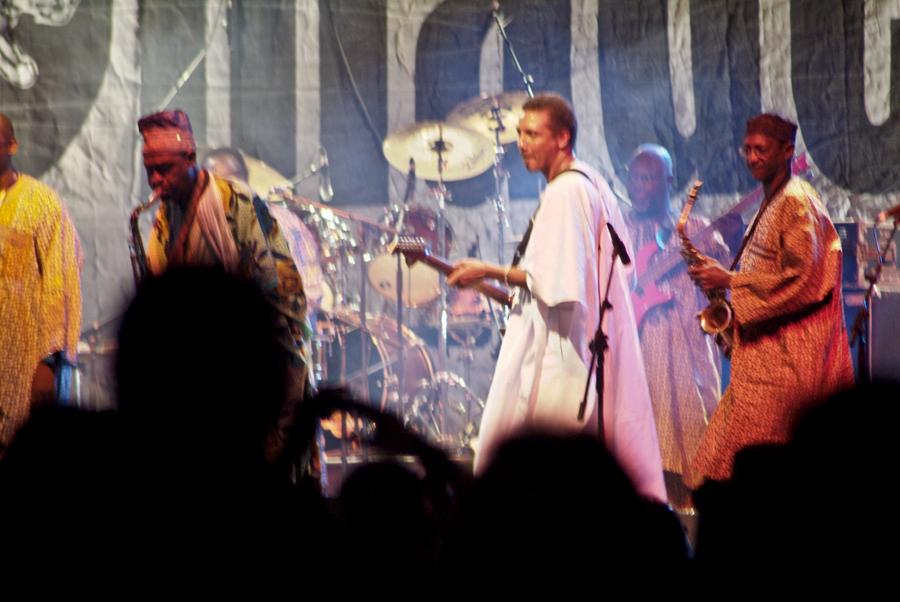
(40, 293)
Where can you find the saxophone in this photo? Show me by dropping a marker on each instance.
(139, 264)
(716, 318)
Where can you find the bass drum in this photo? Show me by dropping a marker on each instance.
(421, 284)
(341, 360)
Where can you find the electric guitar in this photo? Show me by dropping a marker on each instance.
(416, 249)
(647, 294)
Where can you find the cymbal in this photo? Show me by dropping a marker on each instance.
(466, 153)
(261, 176)
(477, 114)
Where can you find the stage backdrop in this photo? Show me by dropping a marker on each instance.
(279, 78)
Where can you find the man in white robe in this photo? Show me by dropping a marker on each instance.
(560, 280)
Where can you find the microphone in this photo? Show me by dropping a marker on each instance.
(893, 212)
(326, 192)
(618, 245)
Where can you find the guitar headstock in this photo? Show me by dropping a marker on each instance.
(414, 248)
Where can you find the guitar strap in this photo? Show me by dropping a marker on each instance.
(749, 237)
(520, 250)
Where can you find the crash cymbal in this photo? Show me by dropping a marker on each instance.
(466, 153)
(477, 114)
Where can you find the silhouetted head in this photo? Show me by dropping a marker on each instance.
(198, 352)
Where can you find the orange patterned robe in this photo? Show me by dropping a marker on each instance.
(791, 348)
(40, 293)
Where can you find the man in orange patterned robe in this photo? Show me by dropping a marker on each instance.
(40, 288)
(790, 343)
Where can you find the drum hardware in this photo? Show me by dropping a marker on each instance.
(318, 168)
(493, 116)
(448, 423)
(496, 117)
(440, 152)
(501, 27)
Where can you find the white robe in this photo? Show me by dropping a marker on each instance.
(543, 365)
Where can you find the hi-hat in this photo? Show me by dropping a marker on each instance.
(477, 114)
(465, 153)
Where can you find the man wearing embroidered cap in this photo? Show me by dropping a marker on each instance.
(790, 343)
(209, 221)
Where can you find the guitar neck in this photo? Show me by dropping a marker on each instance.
(445, 268)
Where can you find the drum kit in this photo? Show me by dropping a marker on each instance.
(375, 356)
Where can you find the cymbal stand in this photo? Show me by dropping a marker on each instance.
(501, 177)
(363, 329)
(442, 195)
(401, 364)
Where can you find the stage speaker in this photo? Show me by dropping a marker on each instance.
(884, 336)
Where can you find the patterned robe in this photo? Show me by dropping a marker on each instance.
(791, 348)
(683, 365)
(260, 253)
(232, 228)
(40, 293)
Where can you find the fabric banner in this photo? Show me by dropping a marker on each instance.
(280, 78)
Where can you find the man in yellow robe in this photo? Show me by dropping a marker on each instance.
(40, 288)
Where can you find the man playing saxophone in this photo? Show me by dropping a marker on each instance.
(790, 343)
(40, 292)
(210, 221)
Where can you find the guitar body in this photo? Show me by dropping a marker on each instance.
(647, 295)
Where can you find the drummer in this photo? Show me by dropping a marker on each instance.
(229, 163)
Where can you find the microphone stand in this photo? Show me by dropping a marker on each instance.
(600, 343)
(526, 78)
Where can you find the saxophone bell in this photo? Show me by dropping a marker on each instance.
(715, 318)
